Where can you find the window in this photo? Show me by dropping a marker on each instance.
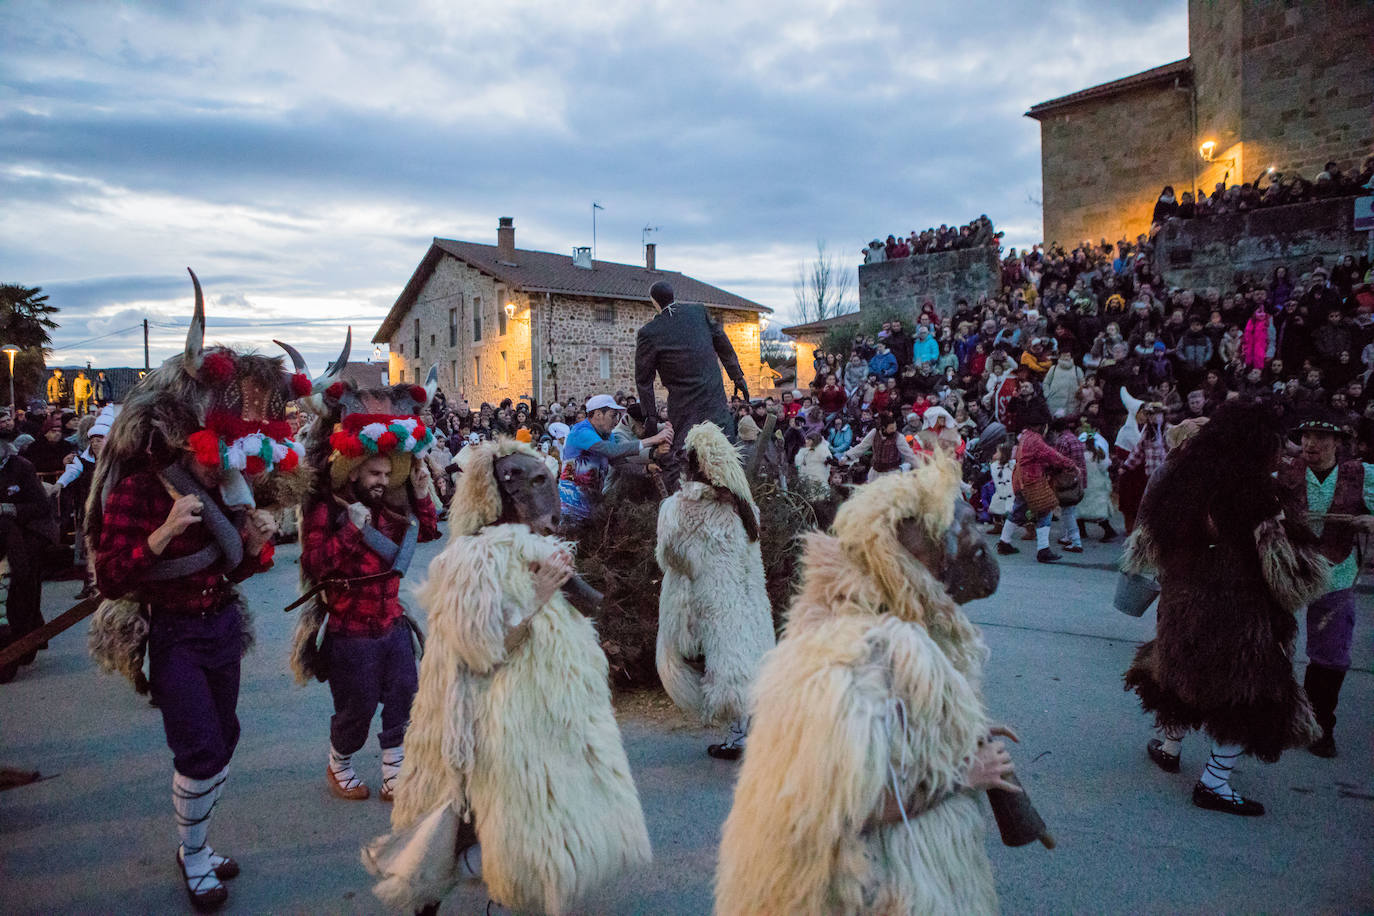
(431, 340)
(477, 370)
(501, 311)
(453, 331)
(604, 357)
(604, 312)
(505, 369)
(403, 376)
(476, 318)
(417, 337)
(456, 387)
(400, 349)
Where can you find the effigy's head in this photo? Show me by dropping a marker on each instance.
(902, 527)
(505, 482)
(224, 408)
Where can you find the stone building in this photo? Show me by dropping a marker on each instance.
(898, 289)
(502, 321)
(1266, 83)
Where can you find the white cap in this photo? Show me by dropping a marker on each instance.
(602, 400)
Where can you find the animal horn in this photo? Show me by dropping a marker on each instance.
(334, 369)
(431, 385)
(296, 359)
(195, 335)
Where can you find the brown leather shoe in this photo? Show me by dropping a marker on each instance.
(385, 794)
(357, 793)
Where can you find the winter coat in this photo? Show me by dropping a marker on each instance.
(1194, 349)
(840, 439)
(1097, 491)
(1257, 343)
(1059, 387)
(811, 462)
(855, 374)
(883, 365)
(925, 351)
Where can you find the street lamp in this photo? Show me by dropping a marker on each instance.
(10, 351)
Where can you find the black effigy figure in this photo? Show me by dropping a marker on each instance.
(682, 345)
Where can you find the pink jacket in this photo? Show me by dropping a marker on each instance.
(1255, 342)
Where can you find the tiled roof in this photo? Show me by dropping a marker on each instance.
(546, 272)
(823, 326)
(1162, 74)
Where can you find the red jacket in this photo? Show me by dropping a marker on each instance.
(333, 548)
(1035, 458)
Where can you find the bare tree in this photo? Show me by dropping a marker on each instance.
(823, 289)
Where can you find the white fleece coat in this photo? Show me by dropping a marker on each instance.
(712, 604)
(526, 742)
(852, 702)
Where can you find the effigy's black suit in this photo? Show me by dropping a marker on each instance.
(682, 345)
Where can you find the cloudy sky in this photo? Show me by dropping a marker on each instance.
(301, 155)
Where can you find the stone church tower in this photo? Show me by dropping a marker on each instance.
(1266, 83)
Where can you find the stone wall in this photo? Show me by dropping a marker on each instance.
(1307, 84)
(900, 287)
(591, 340)
(1103, 163)
(1211, 252)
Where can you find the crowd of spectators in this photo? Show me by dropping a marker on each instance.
(1252, 195)
(1094, 340)
(977, 234)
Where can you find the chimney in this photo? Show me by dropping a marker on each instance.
(649, 249)
(582, 257)
(505, 238)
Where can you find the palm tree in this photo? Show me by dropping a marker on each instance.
(25, 320)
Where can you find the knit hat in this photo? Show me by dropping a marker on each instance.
(522, 435)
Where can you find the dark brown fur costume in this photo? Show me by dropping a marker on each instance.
(1221, 660)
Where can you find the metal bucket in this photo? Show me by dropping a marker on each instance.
(1135, 593)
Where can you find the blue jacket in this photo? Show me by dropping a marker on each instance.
(883, 365)
(839, 439)
(925, 351)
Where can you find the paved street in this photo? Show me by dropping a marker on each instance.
(96, 835)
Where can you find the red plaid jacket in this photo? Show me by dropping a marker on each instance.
(333, 548)
(135, 508)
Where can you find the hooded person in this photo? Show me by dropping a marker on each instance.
(713, 605)
(1233, 570)
(180, 510)
(857, 793)
(512, 742)
(359, 529)
(28, 526)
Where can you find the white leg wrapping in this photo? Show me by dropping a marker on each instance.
(392, 758)
(193, 800)
(341, 765)
(1216, 775)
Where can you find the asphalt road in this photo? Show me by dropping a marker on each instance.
(96, 835)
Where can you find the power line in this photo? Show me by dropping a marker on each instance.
(82, 343)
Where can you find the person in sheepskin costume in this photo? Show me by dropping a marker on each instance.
(1233, 570)
(869, 740)
(713, 605)
(512, 741)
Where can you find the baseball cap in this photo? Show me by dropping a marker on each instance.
(601, 401)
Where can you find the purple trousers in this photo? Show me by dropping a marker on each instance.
(1331, 629)
(193, 668)
(366, 671)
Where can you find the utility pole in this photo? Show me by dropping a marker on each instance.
(145, 344)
